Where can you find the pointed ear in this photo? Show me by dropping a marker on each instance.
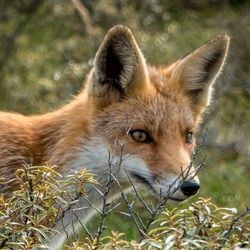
(119, 65)
(197, 72)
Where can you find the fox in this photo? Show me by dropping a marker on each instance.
(156, 110)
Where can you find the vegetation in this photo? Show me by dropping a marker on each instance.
(47, 48)
(27, 216)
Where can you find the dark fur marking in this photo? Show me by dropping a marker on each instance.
(112, 69)
(210, 64)
(111, 66)
(195, 93)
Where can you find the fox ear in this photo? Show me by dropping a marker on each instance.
(118, 66)
(197, 72)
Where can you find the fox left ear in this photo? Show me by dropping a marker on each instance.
(119, 66)
(197, 72)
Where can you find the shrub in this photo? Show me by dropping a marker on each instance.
(27, 215)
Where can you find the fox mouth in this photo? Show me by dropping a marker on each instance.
(144, 181)
(147, 183)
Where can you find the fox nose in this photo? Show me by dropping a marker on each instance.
(190, 187)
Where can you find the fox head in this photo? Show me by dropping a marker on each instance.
(150, 114)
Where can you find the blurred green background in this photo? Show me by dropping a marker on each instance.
(47, 47)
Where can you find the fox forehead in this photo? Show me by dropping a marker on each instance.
(160, 109)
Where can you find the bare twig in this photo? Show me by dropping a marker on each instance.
(137, 193)
(85, 16)
(132, 212)
(83, 226)
(105, 211)
(235, 221)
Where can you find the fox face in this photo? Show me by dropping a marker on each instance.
(156, 137)
(147, 117)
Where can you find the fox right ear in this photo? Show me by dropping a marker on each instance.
(197, 72)
(119, 65)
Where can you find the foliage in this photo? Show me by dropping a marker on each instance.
(201, 226)
(40, 201)
(27, 216)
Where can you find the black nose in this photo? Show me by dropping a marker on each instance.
(190, 187)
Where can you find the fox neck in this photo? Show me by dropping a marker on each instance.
(57, 134)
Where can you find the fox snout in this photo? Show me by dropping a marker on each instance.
(176, 189)
(168, 186)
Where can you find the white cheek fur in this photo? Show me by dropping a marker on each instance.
(96, 157)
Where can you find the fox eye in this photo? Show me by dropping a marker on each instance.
(141, 136)
(189, 137)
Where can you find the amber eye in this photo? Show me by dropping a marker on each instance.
(189, 138)
(141, 136)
